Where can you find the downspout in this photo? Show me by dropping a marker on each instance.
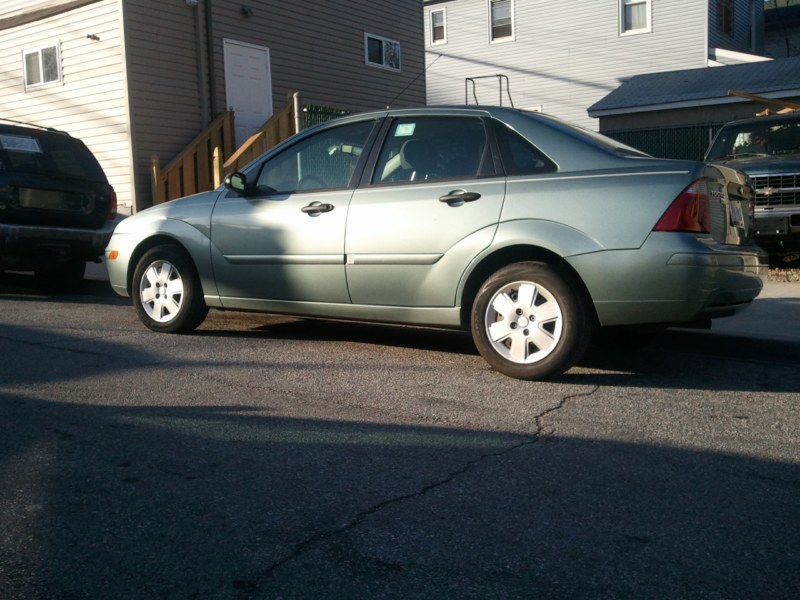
(210, 54)
(202, 66)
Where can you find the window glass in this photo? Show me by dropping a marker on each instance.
(725, 16)
(381, 52)
(325, 160)
(502, 26)
(635, 15)
(429, 148)
(438, 35)
(519, 156)
(41, 66)
(48, 153)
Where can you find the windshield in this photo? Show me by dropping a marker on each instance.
(47, 153)
(756, 139)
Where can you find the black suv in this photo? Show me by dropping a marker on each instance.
(57, 208)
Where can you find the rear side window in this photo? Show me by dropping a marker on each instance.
(46, 153)
(519, 156)
(432, 148)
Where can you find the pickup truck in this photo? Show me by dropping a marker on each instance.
(767, 149)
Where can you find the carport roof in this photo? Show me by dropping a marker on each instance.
(696, 87)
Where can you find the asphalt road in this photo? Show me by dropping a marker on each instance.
(268, 457)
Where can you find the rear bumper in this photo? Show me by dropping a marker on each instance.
(30, 247)
(693, 280)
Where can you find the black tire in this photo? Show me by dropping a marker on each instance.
(166, 291)
(64, 278)
(529, 321)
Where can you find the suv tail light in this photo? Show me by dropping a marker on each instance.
(689, 212)
(112, 207)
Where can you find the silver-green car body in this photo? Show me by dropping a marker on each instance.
(377, 244)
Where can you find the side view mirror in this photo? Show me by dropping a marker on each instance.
(237, 182)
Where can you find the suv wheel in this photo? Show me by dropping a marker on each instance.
(529, 323)
(167, 292)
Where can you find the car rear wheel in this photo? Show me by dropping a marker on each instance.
(528, 322)
(167, 292)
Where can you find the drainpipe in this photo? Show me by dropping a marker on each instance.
(202, 66)
(210, 58)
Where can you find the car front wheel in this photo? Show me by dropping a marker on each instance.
(528, 322)
(167, 292)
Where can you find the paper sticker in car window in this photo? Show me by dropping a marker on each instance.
(405, 130)
(20, 143)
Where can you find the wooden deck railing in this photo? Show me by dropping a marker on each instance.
(211, 156)
(279, 127)
(199, 167)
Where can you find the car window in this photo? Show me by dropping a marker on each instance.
(428, 148)
(519, 156)
(324, 160)
(47, 153)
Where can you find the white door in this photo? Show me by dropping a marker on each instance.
(248, 86)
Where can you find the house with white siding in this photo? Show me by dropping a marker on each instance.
(136, 79)
(563, 57)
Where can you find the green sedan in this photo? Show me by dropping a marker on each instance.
(528, 231)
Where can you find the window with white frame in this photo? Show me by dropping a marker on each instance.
(41, 65)
(634, 16)
(501, 20)
(381, 52)
(438, 27)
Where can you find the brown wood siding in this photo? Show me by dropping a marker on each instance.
(317, 48)
(161, 56)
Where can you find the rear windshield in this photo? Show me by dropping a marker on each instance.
(47, 153)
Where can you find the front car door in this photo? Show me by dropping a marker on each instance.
(432, 203)
(284, 238)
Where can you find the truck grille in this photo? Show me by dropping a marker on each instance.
(777, 190)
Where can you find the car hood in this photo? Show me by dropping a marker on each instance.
(764, 165)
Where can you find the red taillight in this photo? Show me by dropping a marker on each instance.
(112, 207)
(690, 211)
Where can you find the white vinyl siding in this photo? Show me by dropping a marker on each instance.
(561, 65)
(90, 102)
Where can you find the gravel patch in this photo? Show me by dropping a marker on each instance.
(783, 275)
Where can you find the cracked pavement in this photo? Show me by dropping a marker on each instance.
(274, 458)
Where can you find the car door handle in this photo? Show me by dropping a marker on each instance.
(458, 197)
(316, 208)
